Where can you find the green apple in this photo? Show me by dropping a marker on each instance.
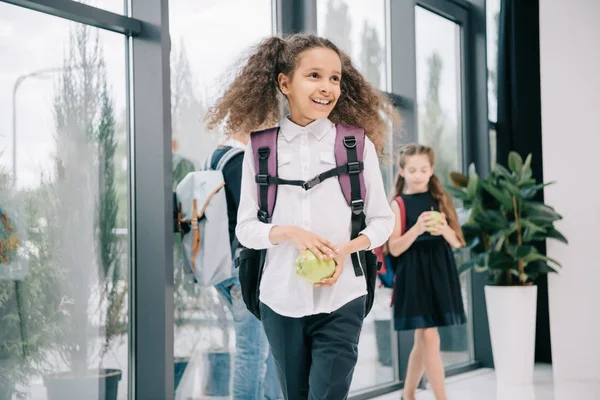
(436, 219)
(314, 269)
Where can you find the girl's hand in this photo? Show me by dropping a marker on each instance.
(340, 260)
(440, 229)
(305, 240)
(422, 224)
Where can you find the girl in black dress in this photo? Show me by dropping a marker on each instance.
(427, 290)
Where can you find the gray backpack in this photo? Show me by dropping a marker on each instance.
(203, 222)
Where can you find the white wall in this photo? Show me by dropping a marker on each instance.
(570, 84)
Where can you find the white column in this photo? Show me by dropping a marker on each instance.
(570, 86)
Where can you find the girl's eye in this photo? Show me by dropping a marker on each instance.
(336, 78)
(314, 75)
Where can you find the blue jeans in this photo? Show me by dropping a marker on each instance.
(255, 376)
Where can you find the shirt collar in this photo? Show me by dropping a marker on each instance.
(318, 128)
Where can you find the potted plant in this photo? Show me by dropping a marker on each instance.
(505, 226)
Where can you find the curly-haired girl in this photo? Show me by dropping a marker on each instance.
(313, 328)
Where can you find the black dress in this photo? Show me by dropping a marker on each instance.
(427, 290)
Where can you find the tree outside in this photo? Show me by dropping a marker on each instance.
(435, 128)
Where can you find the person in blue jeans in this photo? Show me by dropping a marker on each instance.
(255, 374)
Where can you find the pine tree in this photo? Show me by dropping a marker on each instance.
(435, 128)
(371, 55)
(338, 25)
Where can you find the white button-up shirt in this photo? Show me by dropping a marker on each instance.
(302, 153)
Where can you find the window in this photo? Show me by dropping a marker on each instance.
(440, 114)
(492, 17)
(492, 32)
(63, 177)
(208, 39)
(359, 28)
(116, 6)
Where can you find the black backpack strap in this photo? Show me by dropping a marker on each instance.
(264, 150)
(357, 204)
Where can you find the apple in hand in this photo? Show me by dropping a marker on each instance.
(313, 269)
(435, 220)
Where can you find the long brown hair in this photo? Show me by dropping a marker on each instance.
(435, 186)
(254, 100)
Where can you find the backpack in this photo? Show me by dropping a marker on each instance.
(349, 150)
(387, 274)
(203, 222)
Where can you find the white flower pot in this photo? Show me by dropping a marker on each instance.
(511, 315)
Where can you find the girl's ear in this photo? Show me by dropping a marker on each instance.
(401, 172)
(284, 83)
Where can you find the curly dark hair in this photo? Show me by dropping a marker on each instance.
(254, 101)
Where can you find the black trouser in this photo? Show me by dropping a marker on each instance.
(315, 355)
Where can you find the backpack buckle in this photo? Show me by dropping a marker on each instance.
(263, 216)
(311, 183)
(264, 152)
(262, 179)
(357, 206)
(350, 142)
(354, 167)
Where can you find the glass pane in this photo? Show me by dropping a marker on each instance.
(493, 14)
(208, 39)
(116, 6)
(358, 28)
(440, 126)
(64, 263)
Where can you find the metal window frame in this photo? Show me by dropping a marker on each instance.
(152, 204)
(146, 31)
(475, 140)
(83, 13)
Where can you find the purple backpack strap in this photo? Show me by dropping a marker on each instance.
(261, 141)
(341, 157)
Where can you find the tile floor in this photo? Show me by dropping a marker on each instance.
(481, 385)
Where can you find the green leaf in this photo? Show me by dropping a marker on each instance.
(472, 170)
(458, 179)
(501, 260)
(499, 243)
(511, 188)
(552, 233)
(540, 213)
(467, 265)
(533, 227)
(472, 186)
(515, 163)
(491, 220)
(539, 267)
(500, 170)
(474, 242)
(526, 171)
(503, 198)
(479, 263)
(480, 268)
(535, 256)
(522, 252)
(529, 192)
(457, 193)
